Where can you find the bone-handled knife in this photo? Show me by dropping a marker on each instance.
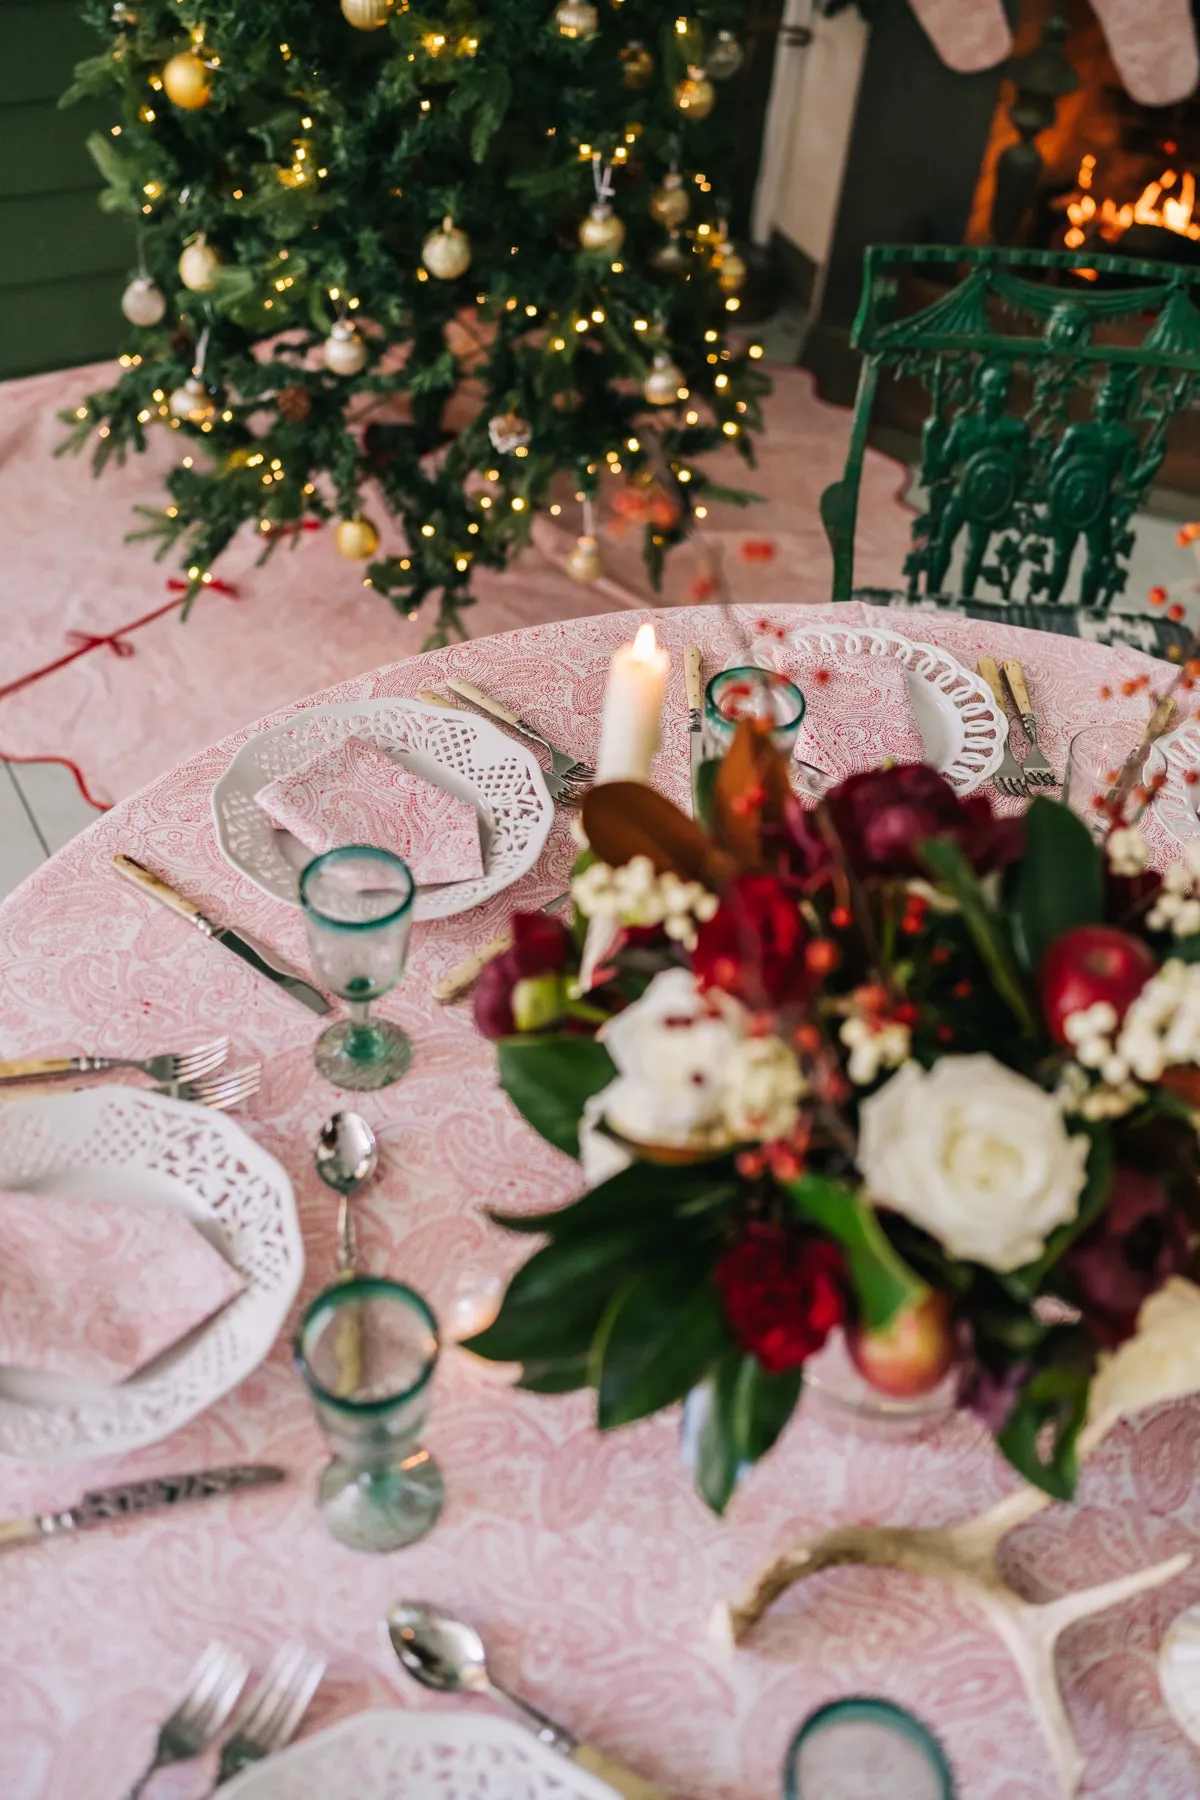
(106, 1504)
(250, 951)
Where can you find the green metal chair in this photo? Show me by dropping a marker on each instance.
(1106, 358)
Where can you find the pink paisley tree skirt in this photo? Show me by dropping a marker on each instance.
(142, 699)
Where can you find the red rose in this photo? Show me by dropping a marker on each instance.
(784, 1291)
(1129, 1252)
(882, 815)
(523, 989)
(753, 946)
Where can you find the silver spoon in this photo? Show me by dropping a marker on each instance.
(445, 1654)
(346, 1156)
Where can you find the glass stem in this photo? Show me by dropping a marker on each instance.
(362, 1040)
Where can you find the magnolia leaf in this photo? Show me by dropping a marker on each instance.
(751, 790)
(947, 863)
(1047, 1418)
(640, 1197)
(883, 1281)
(624, 819)
(663, 1330)
(745, 1409)
(558, 1298)
(1059, 882)
(549, 1078)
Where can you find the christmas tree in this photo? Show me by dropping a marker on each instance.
(351, 219)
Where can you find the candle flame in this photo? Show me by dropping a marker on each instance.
(645, 644)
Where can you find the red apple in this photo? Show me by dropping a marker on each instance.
(1090, 964)
(912, 1354)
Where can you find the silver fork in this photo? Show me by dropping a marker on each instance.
(1010, 776)
(176, 1065)
(221, 1092)
(211, 1695)
(271, 1715)
(565, 769)
(1037, 770)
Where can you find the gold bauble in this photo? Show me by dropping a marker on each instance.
(731, 271)
(187, 81)
(508, 431)
(725, 58)
(446, 252)
(344, 350)
(637, 65)
(583, 561)
(602, 231)
(661, 386)
(199, 265)
(669, 204)
(143, 301)
(576, 19)
(366, 15)
(193, 402)
(356, 539)
(695, 95)
(669, 257)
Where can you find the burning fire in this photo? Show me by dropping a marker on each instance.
(1168, 203)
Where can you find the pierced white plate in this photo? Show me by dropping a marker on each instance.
(418, 1756)
(457, 751)
(1177, 755)
(954, 709)
(122, 1143)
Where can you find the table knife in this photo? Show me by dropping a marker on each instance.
(109, 1503)
(694, 681)
(256, 954)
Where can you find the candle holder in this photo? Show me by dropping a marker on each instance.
(750, 693)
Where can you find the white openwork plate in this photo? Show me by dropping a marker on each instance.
(1178, 757)
(953, 708)
(418, 1756)
(466, 755)
(122, 1143)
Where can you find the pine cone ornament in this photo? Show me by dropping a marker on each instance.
(294, 403)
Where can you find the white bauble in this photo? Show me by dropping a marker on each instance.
(198, 266)
(143, 301)
(446, 252)
(193, 402)
(344, 350)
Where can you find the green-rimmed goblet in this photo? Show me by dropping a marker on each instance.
(367, 1349)
(358, 906)
(865, 1749)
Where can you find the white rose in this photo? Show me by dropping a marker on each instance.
(763, 1088)
(1160, 1362)
(976, 1155)
(671, 1050)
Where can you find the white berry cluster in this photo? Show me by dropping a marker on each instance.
(874, 1044)
(1128, 851)
(1096, 1100)
(1162, 1027)
(635, 894)
(1177, 907)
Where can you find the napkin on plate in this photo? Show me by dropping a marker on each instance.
(859, 712)
(97, 1289)
(357, 795)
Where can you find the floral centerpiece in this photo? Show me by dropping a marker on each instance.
(887, 1063)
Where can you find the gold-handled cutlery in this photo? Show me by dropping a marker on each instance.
(270, 1716)
(1010, 776)
(212, 1692)
(1037, 770)
(171, 1067)
(567, 776)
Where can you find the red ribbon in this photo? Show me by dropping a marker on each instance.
(176, 586)
(83, 640)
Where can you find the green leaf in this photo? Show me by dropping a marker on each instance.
(1059, 882)
(702, 792)
(945, 860)
(1027, 1281)
(548, 1080)
(556, 1300)
(746, 1409)
(1056, 1400)
(662, 1332)
(646, 1197)
(883, 1281)
(1186, 949)
(550, 1376)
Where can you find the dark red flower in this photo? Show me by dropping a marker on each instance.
(882, 815)
(754, 945)
(541, 948)
(1129, 1252)
(783, 1291)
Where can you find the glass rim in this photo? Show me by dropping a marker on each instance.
(871, 1710)
(340, 854)
(744, 671)
(357, 1289)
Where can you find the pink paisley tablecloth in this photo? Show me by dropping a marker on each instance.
(588, 1563)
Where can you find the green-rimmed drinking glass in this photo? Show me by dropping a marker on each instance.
(750, 693)
(367, 1349)
(358, 907)
(865, 1749)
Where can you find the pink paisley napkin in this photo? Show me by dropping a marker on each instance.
(859, 712)
(357, 795)
(96, 1290)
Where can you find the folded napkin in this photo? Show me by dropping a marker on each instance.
(859, 713)
(357, 795)
(96, 1289)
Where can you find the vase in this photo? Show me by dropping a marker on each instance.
(836, 1392)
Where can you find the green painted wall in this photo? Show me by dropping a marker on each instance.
(63, 263)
